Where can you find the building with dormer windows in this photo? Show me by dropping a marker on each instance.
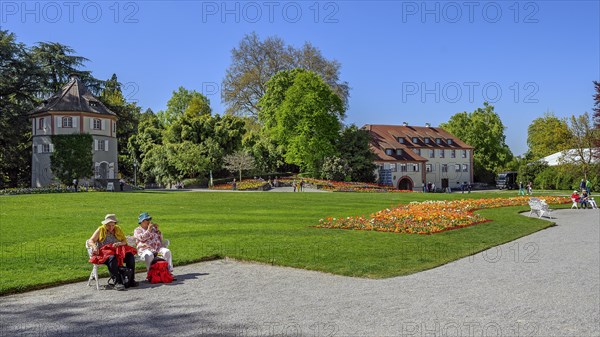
(414, 157)
(73, 110)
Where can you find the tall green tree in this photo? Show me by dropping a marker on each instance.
(482, 129)
(302, 114)
(128, 114)
(58, 62)
(596, 110)
(585, 137)
(255, 61)
(72, 157)
(353, 146)
(547, 135)
(182, 102)
(20, 84)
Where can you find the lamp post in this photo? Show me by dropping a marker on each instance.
(135, 173)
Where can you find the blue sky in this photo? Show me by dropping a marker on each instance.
(413, 61)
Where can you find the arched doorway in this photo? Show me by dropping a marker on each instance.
(405, 183)
(103, 170)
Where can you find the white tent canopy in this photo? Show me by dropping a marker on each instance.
(569, 156)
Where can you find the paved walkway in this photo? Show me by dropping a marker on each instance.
(545, 284)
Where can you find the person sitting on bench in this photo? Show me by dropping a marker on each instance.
(150, 241)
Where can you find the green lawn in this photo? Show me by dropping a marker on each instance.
(42, 236)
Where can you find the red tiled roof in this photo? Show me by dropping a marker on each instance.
(386, 137)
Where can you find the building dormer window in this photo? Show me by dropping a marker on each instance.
(438, 141)
(449, 141)
(93, 104)
(417, 151)
(67, 122)
(97, 124)
(426, 140)
(415, 140)
(401, 140)
(389, 152)
(398, 152)
(464, 153)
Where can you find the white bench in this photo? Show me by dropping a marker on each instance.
(539, 207)
(575, 205)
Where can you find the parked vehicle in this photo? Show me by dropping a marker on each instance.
(507, 180)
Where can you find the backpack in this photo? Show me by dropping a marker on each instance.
(159, 272)
(126, 277)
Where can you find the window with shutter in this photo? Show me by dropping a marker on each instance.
(106, 145)
(67, 122)
(95, 144)
(58, 122)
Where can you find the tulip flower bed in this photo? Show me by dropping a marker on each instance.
(244, 185)
(429, 217)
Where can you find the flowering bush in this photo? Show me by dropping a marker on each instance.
(41, 190)
(429, 217)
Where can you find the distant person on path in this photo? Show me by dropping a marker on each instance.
(521, 188)
(294, 185)
(233, 185)
(530, 188)
(462, 187)
(588, 186)
(150, 241)
(301, 185)
(469, 187)
(75, 183)
(121, 184)
(109, 246)
(582, 185)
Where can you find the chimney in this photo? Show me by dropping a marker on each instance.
(404, 124)
(427, 125)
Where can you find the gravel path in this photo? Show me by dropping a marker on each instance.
(545, 284)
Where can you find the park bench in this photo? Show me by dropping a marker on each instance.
(539, 207)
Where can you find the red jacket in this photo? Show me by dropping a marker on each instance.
(108, 250)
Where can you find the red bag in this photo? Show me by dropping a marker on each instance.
(159, 273)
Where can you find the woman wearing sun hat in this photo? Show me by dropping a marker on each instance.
(150, 241)
(109, 246)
